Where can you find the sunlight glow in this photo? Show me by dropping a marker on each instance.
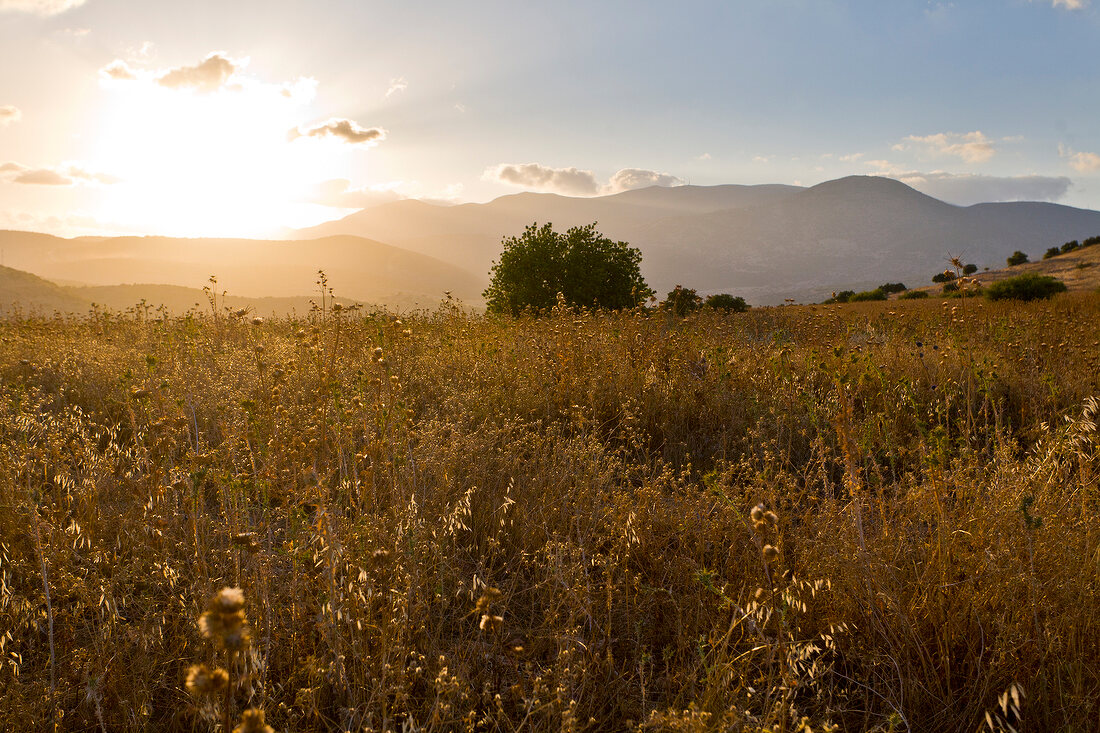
(218, 163)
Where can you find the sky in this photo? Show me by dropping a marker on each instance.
(243, 118)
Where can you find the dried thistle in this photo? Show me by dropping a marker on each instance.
(252, 721)
(224, 621)
(201, 680)
(491, 623)
(486, 601)
(771, 554)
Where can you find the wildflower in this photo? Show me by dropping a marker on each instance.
(201, 680)
(486, 600)
(252, 721)
(491, 623)
(224, 621)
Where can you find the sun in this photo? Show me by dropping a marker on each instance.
(218, 163)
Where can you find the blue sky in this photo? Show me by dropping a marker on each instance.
(968, 101)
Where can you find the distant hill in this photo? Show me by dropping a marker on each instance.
(27, 293)
(766, 243)
(357, 268)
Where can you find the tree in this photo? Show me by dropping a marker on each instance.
(889, 288)
(587, 268)
(943, 277)
(1051, 252)
(727, 302)
(681, 300)
(1016, 258)
(970, 269)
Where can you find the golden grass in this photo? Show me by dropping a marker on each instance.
(878, 516)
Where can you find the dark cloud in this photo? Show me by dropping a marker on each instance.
(964, 189)
(211, 74)
(346, 130)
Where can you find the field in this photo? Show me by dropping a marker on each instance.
(926, 556)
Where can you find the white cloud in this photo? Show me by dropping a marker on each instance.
(972, 147)
(568, 181)
(39, 7)
(397, 85)
(966, 189)
(575, 181)
(628, 179)
(1070, 4)
(762, 159)
(209, 75)
(704, 156)
(348, 131)
(10, 114)
(1083, 162)
(118, 70)
(65, 175)
(851, 157)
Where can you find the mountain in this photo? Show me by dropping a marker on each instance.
(357, 268)
(23, 292)
(765, 243)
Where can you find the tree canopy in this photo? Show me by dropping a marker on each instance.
(587, 268)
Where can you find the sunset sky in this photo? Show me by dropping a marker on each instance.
(241, 118)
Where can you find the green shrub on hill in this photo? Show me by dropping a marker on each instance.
(1029, 286)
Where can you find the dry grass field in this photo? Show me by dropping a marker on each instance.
(879, 516)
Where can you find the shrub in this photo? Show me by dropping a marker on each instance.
(1070, 246)
(681, 300)
(970, 269)
(892, 288)
(943, 277)
(1029, 286)
(1090, 241)
(842, 297)
(876, 294)
(913, 295)
(1052, 252)
(951, 287)
(727, 302)
(1016, 258)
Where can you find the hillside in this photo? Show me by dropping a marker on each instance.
(27, 293)
(357, 268)
(1079, 270)
(764, 242)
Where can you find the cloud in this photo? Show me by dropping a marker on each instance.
(966, 189)
(851, 157)
(39, 7)
(568, 181)
(65, 175)
(346, 130)
(10, 114)
(1070, 4)
(118, 70)
(1083, 162)
(704, 156)
(628, 179)
(209, 75)
(972, 147)
(574, 181)
(397, 85)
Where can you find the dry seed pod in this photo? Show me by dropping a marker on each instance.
(771, 554)
(491, 623)
(252, 721)
(201, 680)
(757, 513)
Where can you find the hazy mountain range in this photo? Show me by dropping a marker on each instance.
(765, 243)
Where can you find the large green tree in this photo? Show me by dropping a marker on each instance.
(587, 268)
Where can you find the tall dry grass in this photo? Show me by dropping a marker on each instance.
(927, 537)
